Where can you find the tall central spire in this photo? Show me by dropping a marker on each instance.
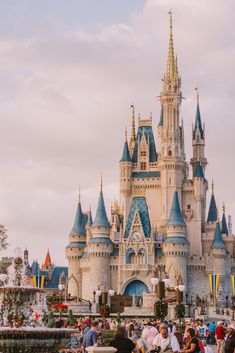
(171, 60)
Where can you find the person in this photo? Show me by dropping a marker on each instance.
(192, 342)
(178, 334)
(143, 345)
(121, 343)
(211, 337)
(149, 332)
(220, 335)
(166, 341)
(90, 338)
(230, 340)
(202, 329)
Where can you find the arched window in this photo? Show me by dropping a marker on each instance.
(143, 165)
(169, 153)
(130, 256)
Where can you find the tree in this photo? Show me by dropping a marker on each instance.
(3, 237)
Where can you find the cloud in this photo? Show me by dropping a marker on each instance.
(65, 101)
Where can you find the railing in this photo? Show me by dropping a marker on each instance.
(136, 267)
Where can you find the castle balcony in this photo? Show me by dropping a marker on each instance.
(136, 267)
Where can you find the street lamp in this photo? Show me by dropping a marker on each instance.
(111, 294)
(61, 287)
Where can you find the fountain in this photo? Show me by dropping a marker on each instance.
(22, 310)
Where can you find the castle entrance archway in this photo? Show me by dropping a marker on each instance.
(136, 289)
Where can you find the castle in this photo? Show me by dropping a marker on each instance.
(163, 220)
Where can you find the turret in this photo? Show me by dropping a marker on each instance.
(172, 163)
(224, 227)
(100, 247)
(47, 264)
(125, 166)
(26, 257)
(198, 182)
(218, 250)
(176, 245)
(75, 249)
(169, 129)
(89, 226)
(212, 214)
(198, 139)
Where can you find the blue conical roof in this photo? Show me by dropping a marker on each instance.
(89, 219)
(126, 153)
(198, 123)
(198, 171)
(101, 219)
(218, 242)
(224, 229)
(35, 268)
(212, 214)
(161, 117)
(78, 227)
(176, 217)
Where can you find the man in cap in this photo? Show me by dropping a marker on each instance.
(230, 340)
(219, 335)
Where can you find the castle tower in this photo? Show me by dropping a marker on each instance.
(197, 225)
(89, 226)
(170, 132)
(47, 262)
(125, 166)
(218, 251)
(100, 248)
(224, 227)
(198, 140)
(176, 246)
(74, 251)
(26, 257)
(212, 214)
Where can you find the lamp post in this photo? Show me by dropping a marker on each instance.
(111, 294)
(179, 298)
(159, 285)
(61, 287)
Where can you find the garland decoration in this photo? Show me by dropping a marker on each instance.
(160, 309)
(180, 311)
(104, 310)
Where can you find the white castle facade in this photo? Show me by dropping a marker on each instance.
(163, 220)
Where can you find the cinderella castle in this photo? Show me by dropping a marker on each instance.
(163, 220)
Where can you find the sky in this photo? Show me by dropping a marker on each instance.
(69, 71)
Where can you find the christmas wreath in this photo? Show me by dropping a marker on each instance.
(160, 309)
(180, 310)
(104, 310)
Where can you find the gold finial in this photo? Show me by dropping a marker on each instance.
(79, 195)
(171, 56)
(139, 119)
(223, 208)
(151, 116)
(212, 187)
(133, 135)
(217, 211)
(197, 94)
(101, 183)
(125, 134)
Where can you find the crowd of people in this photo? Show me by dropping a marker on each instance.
(154, 336)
